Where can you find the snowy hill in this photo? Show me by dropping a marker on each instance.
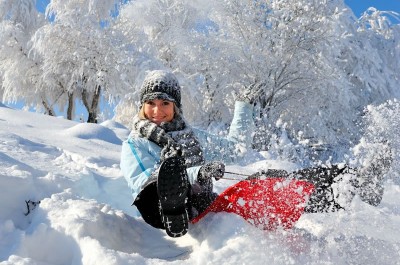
(85, 217)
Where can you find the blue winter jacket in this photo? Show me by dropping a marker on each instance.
(140, 157)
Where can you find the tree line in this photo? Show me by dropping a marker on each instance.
(318, 65)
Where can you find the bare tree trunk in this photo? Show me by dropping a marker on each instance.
(70, 106)
(92, 108)
(49, 109)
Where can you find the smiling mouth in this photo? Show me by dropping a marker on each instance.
(158, 120)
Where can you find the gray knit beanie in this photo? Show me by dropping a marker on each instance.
(160, 84)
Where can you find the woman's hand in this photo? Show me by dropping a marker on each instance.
(171, 149)
(210, 170)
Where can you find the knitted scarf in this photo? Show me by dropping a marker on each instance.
(175, 138)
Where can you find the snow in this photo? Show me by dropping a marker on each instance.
(85, 214)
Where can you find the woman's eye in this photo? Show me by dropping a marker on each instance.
(166, 103)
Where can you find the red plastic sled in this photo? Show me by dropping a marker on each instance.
(268, 203)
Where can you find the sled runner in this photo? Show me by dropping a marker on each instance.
(266, 203)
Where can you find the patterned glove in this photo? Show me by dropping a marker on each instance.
(171, 149)
(210, 170)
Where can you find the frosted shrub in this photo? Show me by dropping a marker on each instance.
(382, 124)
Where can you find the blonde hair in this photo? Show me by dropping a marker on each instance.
(142, 115)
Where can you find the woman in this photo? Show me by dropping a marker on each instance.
(161, 134)
(164, 160)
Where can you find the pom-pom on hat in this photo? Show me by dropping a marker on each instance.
(160, 84)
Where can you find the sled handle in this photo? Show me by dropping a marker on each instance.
(269, 172)
(240, 174)
(235, 173)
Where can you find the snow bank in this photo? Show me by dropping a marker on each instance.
(92, 131)
(85, 214)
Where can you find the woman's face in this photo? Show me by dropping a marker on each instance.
(159, 110)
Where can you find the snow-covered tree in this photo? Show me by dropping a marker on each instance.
(296, 51)
(280, 47)
(164, 31)
(22, 12)
(364, 52)
(20, 71)
(225, 46)
(374, 59)
(82, 58)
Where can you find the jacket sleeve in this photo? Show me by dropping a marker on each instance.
(138, 161)
(234, 147)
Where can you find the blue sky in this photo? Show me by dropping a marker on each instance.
(41, 4)
(359, 6)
